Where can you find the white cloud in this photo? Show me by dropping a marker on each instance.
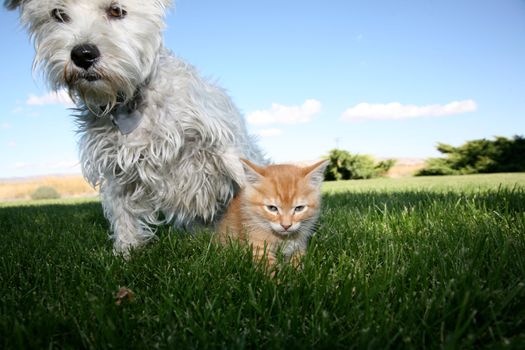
(53, 98)
(269, 132)
(395, 110)
(5, 126)
(280, 114)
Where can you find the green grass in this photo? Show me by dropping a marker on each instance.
(459, 183)
(412, 263)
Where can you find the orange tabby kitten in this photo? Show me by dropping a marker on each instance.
(276, 210)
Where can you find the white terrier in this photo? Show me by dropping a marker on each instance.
(156, 138)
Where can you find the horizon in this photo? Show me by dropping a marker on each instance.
(389, 79)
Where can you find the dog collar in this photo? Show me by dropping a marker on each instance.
(126, 116)
(125, 119)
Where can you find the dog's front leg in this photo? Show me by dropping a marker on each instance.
(129, 231)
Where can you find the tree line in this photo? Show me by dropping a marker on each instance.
(473, 157)
(478, 156)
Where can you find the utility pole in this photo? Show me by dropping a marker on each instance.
(337, 139)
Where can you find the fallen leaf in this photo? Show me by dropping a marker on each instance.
(124, 294)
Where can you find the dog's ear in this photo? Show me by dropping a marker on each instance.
(12, 4)
(164, 3)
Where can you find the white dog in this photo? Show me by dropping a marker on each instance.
(162, 143)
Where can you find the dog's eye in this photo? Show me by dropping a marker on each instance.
(115, 11)
(60, 16)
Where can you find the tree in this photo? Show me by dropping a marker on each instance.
(384, 166)
(345, 166)
(479, 156)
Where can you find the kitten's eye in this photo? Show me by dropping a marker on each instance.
(117, 12)
(60, 16)
(272, 208)
(300, 208)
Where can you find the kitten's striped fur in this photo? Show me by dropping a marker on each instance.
(277, 210)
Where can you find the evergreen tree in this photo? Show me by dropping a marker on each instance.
(479, 156)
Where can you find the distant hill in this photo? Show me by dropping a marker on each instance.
(405, 167)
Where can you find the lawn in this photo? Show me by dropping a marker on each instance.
(410, 263)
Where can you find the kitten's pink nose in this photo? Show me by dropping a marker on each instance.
(286, 227)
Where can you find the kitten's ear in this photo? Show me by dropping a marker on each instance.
(252, 172)
(315, 172)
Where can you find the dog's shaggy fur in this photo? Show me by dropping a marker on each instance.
(162, 143)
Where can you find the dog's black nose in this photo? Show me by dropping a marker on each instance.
(85, 55)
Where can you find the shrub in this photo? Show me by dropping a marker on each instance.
(346, 166)
(384, 166)
(45, 192)
(479, 156)
(436, 166)
(362, 167)
(337, 169)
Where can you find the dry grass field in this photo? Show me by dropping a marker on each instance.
(75, 185)
(66, 186)
(406, 167)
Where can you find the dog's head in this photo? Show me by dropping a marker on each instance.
(100, 50)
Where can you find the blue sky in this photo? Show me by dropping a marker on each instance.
(386, 78)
